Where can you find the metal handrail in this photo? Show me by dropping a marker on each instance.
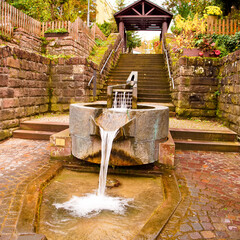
(116, 49)
(110, 56)
(89, 83)
(169, 69)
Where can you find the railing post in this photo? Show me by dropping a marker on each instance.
(94, 83)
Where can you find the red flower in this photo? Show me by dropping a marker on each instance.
(200, 54)
(217, 52)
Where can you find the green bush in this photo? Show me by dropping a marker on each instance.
(108, 27)
(60, 30)
(225, 43)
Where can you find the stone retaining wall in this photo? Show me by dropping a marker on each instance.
(31, 84)
(68, 46)
(196, 87)
(69, 82)
(23, 86)
(207, 87)
(229, 91)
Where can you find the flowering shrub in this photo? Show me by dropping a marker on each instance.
(157, 46)
(187, 30)
(213, 10)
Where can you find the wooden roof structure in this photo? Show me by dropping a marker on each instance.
(143, 15)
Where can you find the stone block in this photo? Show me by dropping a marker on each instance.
(61, 144)
(78, 69)
(167, 151)
(43, 108)
(10, 123)
(6, 92)
(3, 80)
(7, 114)
(5, 134)
(64, 69)
(16, 83)
(13, 73)
(20, 112)
(12, 62)
(10, 102)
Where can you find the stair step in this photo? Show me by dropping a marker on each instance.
(44, 126)
(31, 134)
(140, 75)
(184, 144)
(153, 95)
(209, 135)
(156, 100)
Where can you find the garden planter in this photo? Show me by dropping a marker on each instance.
(212, 18)
(194, 52)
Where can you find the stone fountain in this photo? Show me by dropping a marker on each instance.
(141, 128)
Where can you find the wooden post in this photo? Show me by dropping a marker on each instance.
(164, 29)
(122, 32)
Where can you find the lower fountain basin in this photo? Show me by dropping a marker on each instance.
(137, 142)
(147, 194)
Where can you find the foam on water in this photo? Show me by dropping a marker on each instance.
(92, 204)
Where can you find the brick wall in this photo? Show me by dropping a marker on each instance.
(229, 90)
(23, 86)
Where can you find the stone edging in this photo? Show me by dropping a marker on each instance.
(27, 222)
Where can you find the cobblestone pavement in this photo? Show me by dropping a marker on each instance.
(20, 162)
(210, 186)
(209, 182)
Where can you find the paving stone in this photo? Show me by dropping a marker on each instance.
(214, 212)
(185, 228)
(21, 160)
(195, 235)
(197, 226)
(207, 226)
(208, 234)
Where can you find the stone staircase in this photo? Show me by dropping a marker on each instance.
(153, 82)
(205, 140)
(37, 130)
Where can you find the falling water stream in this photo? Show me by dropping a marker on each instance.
(91, 204)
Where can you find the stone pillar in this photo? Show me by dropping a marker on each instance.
(122, 32)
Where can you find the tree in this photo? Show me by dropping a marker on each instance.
(226, 5)
(50, 10)
(120, 5)
(187, 7)
(133, 40)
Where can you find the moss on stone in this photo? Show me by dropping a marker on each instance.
(98, 52)
(56, 108)
(5, 134)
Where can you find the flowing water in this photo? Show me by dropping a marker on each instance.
(109, 123)
(122, 100)
(107, 140)
(100, 223)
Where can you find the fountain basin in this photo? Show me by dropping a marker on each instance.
(147, 194)
(137, 142)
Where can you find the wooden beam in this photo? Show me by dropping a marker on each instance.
(150, 11)
(136, 11)
(161, 17)
(143, 8)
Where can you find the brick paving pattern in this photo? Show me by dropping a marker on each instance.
(210, 209)
(20, 162)
(209, 181)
